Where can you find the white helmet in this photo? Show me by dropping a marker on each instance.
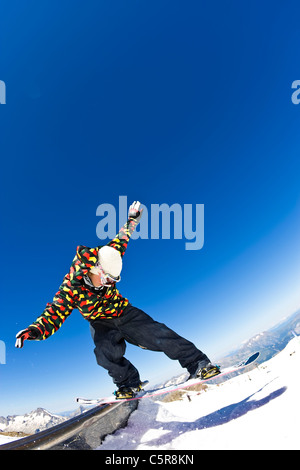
(110, 260)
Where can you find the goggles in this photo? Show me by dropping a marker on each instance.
(110, 279)
(106, 278)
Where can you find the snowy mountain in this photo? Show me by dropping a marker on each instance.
(30, 423)
(268, 342)
(71, 414)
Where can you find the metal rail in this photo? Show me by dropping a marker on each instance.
(85, 431)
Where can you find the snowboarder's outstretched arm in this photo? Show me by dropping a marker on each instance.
(121, 240)
(54, 314)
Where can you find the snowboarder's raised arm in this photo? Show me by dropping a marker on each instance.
(121, 240)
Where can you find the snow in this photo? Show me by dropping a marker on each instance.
(5, 439)
(257, 410)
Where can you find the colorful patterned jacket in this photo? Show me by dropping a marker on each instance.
(74, 293)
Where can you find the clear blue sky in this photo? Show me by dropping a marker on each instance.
(164, 102)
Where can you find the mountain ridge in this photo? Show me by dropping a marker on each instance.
(30, 423)
(268, 342)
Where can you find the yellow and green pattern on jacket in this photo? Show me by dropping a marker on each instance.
(73, 293)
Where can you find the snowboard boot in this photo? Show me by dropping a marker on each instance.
(206, 372)
(128, 392)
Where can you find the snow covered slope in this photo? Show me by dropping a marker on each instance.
(256, 410)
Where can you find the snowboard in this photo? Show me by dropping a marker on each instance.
(168, 389)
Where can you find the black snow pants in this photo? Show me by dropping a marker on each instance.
(138, 328)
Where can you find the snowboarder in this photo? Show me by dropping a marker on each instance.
(90, 286)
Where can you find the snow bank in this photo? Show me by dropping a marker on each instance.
(5, 439)
(256, 410)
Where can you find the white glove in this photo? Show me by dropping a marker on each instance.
(135, 211)
(28, 333)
